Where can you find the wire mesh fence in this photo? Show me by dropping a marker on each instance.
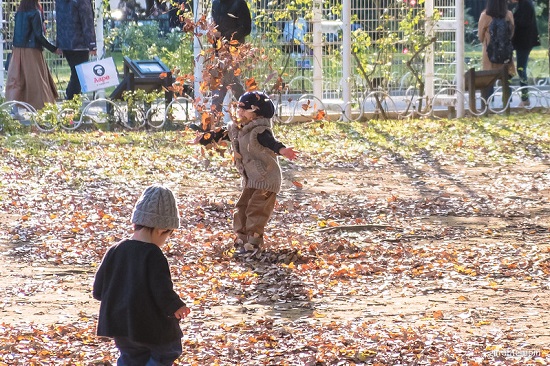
(286, 33)
(386, 59)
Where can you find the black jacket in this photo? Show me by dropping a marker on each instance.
(526, 35)
(137, 297)
(232, 18)
(28, 32)
(75, 25)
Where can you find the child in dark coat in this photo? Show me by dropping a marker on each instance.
(139, 307)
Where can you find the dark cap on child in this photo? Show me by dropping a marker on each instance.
(259, 102)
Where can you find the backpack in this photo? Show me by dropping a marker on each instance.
(500, 46)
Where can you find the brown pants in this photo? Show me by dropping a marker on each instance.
(254, 209)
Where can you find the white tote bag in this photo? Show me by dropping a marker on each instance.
(96, 75)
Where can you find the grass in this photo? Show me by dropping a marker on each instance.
(471, 140)
(468, 140)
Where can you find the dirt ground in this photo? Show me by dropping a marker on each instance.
(48, 294)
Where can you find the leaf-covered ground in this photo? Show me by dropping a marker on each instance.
(392, 243)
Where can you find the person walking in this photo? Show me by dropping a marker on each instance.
(139, 307)
(75, 37)
(526, 36)
(29, 79)
(232, 18)
(234, 23)
(495, 9)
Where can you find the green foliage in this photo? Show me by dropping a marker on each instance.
(139, 101)
(145, 41)
(8, 125)
(54, 115)
(133, 97)
(502, 139)
(404, 36)
(467, 140)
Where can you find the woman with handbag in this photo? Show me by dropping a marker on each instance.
(29, 79)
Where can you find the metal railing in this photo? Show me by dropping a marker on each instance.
(107, 114)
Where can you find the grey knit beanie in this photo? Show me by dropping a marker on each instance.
(156, 208)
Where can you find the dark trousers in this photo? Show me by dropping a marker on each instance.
(143, 354)
(74, 58)
(229, 80)
(522, 56)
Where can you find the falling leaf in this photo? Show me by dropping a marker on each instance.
(320, 115)
(297, 184)
(251, 84)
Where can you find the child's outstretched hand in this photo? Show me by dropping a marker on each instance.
(182, 312)
(288, 153)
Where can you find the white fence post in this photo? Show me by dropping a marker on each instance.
(317, 49)
(459, 39)
(100, 42)
(346, 58)
(429, 67)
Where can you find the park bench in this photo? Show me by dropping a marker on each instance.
(481, 80)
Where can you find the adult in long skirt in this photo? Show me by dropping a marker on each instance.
(494, 9)
(29, 79)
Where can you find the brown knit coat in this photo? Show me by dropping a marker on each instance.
(258, 165)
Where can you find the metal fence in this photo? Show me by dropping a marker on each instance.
(288, 35)
(286, 31)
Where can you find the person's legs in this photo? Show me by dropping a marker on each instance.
(74, 58)
(131, 353)
(259, 210)
(229, 81)
(237, 87)
(239, 217)
(218, 96)
(165, 354)
(487, 92)
(522, 57)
